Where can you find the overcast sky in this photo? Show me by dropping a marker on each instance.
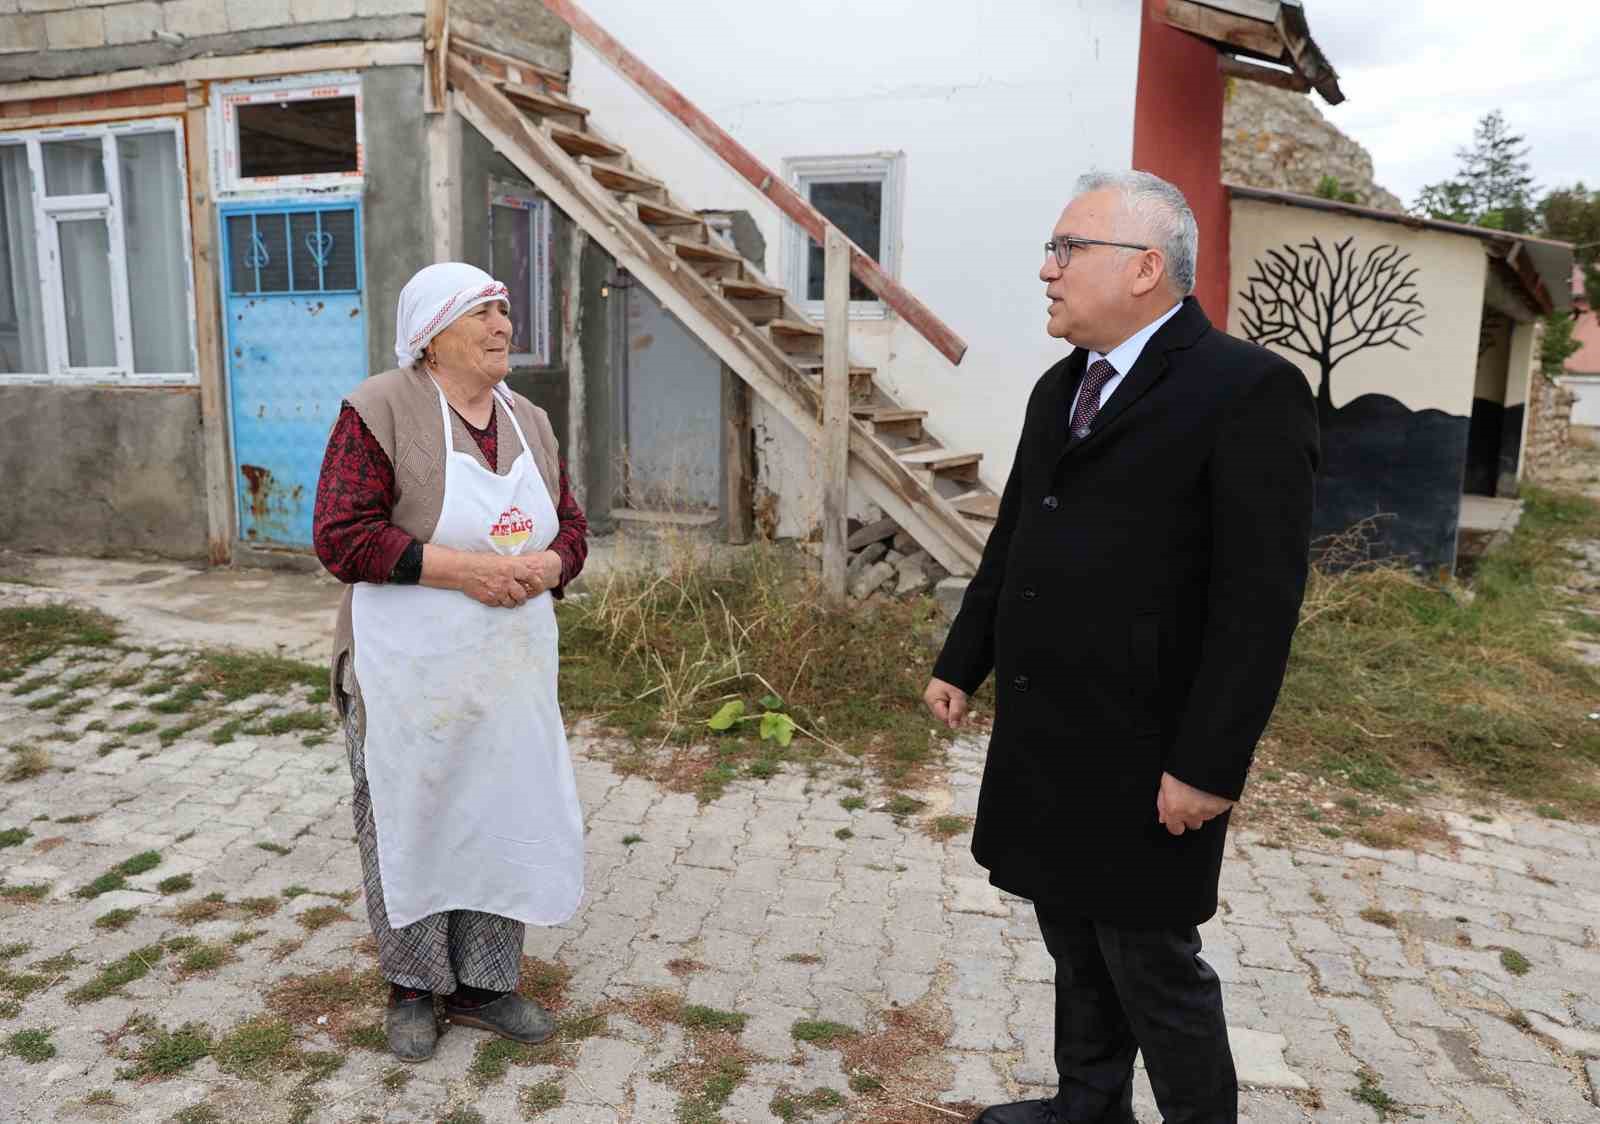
(1418, 74)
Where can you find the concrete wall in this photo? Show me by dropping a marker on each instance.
(394, 200)
(523, 29)
(91, 470)
(996, 109)
(64, 38)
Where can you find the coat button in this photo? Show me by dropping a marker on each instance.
(1029, 593)
(1020, 682)
(1051, 503)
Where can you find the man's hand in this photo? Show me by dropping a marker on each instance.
(1181, 807)
(947, 702)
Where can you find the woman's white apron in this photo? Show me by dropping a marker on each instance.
(472, 787)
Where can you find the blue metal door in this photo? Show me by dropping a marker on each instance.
(297, 344)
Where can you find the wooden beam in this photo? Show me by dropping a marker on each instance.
(264, 64)
(435, 53)
(442, 133)
(93, 116)
(1252, 72)
(1224, 27)
(835, 409)
(741, 160)
(208, 338)
(738, 459)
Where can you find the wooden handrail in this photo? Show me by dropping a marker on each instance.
(741, 160)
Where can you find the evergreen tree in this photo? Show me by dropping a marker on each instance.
(1493, 186)
(1572, 214)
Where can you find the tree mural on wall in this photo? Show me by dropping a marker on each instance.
(1329, 305)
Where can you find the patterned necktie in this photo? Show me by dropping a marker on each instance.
(1094, 381)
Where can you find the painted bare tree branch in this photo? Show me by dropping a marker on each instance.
(1324, 304)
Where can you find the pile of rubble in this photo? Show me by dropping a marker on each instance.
(886, 560)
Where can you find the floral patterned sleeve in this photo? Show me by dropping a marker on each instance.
(355, 496)
(572, 539)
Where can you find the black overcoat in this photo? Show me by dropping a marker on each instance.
(1135, 602)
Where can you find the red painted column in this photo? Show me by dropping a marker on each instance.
(1177, 134)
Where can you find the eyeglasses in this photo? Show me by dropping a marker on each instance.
(1062, 247)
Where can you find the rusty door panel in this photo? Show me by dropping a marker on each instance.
(297, 344)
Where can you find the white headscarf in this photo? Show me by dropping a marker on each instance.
(434, 299)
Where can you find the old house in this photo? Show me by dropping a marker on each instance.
(207, 210)
(1421, 340)
(1582, 377)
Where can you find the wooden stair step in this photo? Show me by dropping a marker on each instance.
(981, 506)
(812, 365)
(939, 460)
(652, 213)
(743, 289)
(796, 328)
(703, 251)
(577, 142)
(887, 413)
(542, 101)
(620, 179)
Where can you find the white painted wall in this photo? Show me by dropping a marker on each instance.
(997, 109)
(1586, 400)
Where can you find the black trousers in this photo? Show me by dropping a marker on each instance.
(1121, 990)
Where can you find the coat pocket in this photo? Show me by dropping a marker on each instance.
(1144, 665)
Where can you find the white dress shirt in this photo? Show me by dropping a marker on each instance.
(1122, 358)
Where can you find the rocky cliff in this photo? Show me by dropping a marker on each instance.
(1279, 139)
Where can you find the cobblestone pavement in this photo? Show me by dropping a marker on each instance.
(1356, 980)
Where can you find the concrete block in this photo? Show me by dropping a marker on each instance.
(70, 31)
(1259, 1059)
(22, 33)
(366, 8)
(195, 18)
(869, 580)
(320, 11)
(132, 23)
(246, 15)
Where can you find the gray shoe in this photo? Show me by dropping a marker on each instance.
(511, 1016)
(410, 1028)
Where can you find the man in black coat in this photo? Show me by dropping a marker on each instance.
(1135, 601)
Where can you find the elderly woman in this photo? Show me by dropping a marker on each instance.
(443, 502)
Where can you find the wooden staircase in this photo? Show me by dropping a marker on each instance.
(933, 492)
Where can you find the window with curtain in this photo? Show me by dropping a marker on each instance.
(94, 256)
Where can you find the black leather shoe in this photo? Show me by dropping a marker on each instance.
(409, 1025)
(511, 1016)
(1021, 1112)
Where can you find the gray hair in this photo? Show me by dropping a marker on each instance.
(1159, 214)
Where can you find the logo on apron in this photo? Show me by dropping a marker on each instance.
(510, 530)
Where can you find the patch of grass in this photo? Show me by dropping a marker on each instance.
(163, 1053)
(143, 726)
(371, 1036)
(350, 1001)
(535, 1099)
(100, 1097)
(1514, 962)
(718, 1078)
(630, 840)
(32, 1046)
(1380, 917)
(110, 979)
(238, 675)
(80, 817)
(34, 682)
(180, 701)
(116, 919)
(76, 706)
(56, 965)
(320, 917)
(259, 907)
(948, 827)
(172, 733)
(295, 720)
(791, 1108)
(1550, 812)
(13, 950)
(24, 893)
(696, 1017)
(177, 884)
(256, 1049)
(802, 958)
(117, 877)
(864, 1083)
(463, 1115)
(204, 958)
(275, 848)
(575, 1028)
(14, 836)
(821, 1032)
(208, 908)
(844, 833)
(396, 1079)
(10, 1008)
(50, 701)
(198, 1114)
(902, 805)
(1370, 1093)
(245, 936)
(27, 762)
(20, 985)
(1392, 679)
(853, 803)
(292, 892)
(656, 650)
(125, 679)
(494, 1056)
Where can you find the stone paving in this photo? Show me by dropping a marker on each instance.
(1383, 974)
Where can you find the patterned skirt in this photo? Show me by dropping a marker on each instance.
(463, 946)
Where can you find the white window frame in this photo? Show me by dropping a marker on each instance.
(50, 211)
(300, 87)
(518, 197)
(887, 168)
